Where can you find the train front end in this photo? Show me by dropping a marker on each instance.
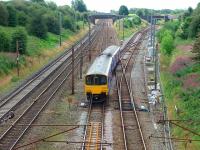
(96, 88)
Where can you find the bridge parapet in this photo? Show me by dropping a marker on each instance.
(158, 17)
(93, 17)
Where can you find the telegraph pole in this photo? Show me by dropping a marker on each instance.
(72, 70)
(151, 27)
(155, 53)
(153, 37)
(119, 24)
(75, 18)
(81, 61)
(107, 35)
(123, 27)
(60, 23)
(89, 41)
(17, 52)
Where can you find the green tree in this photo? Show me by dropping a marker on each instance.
(194, 27)
(196, 49)
(22, 18)
(38, 1)
(19, 35)
(4, 42)
(185, 28)
(52, 23)
(123, 10)
(68, 23)
(190, 10)
(140, 12)
(167, 43)
(52, 5)
(3, 14)
(12, 19)
(79, 5)
(38, 26)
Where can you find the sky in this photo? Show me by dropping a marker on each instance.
(107, 5)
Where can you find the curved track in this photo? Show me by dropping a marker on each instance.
(131, 128)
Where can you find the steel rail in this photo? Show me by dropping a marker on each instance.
(38, 112)
(8, 99)
(119, 87)
(93, 39)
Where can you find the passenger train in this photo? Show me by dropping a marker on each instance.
(99, 76)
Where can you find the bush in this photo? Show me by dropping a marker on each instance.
(185, 28)
(6, 64)
(68, 24)
(128, 23)
(167, 43)
(4, 42)
(3, 14)
(194, 27)
(52, 24)
(196, 49)
(38, 26)
(19, 35)
(136, 20)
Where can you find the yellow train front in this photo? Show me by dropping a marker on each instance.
(99, 76)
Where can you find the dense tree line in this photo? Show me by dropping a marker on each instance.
(186, 27)
(147, 12)
(190, 28)
(38, 17)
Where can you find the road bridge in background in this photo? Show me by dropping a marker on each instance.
(114, 17)
(158, 17)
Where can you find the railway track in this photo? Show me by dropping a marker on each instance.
(94, 132)
(93, 135)
(13, 134)
(18, 96)
(131, 128)
(47, 82)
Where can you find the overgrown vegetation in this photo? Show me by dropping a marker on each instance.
(32, 26)
(196, 49)
(38, 17)
(180, 75)
(6, 64)
(131, 24)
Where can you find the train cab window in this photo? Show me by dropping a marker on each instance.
(96, 80)
(103, 80)
(89, 80)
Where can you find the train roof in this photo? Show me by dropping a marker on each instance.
(111, 50)
(102, 63)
